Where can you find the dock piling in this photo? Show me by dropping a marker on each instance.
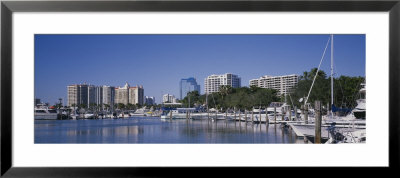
(318, 118)
(302, 109)
(252, 116)
(306, 114)
(216, 116)
(245, 116)
(235, 115)
(226, 115)
(240, 116)
(327, 109)
(266, 115)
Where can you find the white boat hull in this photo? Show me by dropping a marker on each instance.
(45, 117)
(89, 116)
(136, 114)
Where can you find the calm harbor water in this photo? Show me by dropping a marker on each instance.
(155, 130)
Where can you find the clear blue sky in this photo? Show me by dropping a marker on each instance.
(158, 62)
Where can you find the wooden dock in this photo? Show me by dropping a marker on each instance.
(296, 131)
(302, 130)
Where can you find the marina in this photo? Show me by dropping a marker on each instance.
(314, 107)
(302, 127)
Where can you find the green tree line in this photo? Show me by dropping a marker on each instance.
(239, 98)
(345, 90)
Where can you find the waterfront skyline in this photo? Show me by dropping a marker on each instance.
(158, 62)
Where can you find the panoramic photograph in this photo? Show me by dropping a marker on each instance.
(200, 89)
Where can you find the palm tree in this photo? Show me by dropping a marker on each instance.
(107, 106)
(225, 90)
(304, 76)
(92, 106)
(82, 105)
(130, 106)
(121, 106)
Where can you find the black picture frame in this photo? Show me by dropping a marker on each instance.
(8, 7)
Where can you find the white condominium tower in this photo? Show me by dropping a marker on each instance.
(122, 94)
(168, 98)
(131, 95)
(281, 83)
(213, 82)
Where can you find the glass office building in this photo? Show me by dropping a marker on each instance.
(188, 85)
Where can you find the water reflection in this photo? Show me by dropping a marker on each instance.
(154, 130)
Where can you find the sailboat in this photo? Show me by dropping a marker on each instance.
(348, 135)
(333, 109)
(359, 111)
(341, 129)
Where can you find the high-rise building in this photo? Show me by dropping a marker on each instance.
(91, 95)
(127, 94)
(213, 82)
(188, 85)
(122, 94)
(99, 95)
(108, 95)
(283, 84)
(73, 96)
(150, 100)
(95, 95)
(136, 95)
(83, 91)
(77, 95)
(168, 98)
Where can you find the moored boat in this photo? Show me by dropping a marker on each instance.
(360, 111)
(124, 114)
(42, 112)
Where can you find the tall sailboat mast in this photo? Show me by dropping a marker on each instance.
(331, 74)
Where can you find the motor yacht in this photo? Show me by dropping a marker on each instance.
(43, 112)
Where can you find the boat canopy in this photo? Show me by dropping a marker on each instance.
(186, 109)
(344, 110)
